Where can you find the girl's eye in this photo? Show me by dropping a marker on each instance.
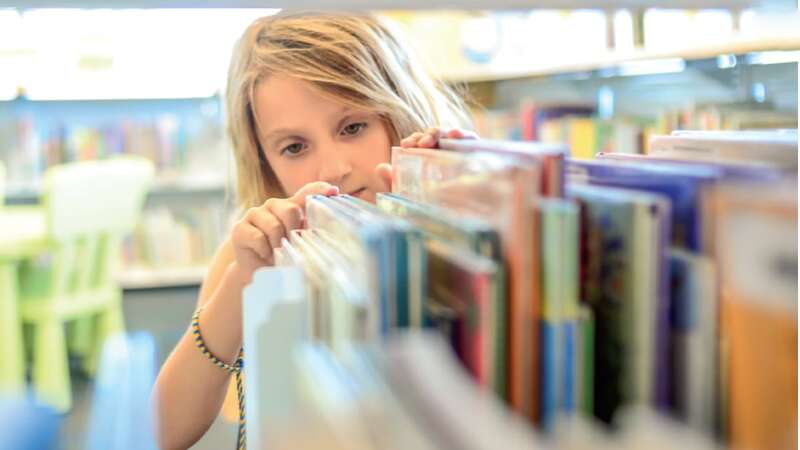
(293, 149)
(353, 129)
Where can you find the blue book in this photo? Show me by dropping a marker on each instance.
(408, 248)
(568, 390)
(558, 368)
(366, 244)
(550, 374)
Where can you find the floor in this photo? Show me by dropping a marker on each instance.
(164, 313)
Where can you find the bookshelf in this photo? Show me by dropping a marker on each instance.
(28, 192)
(788, 46)
(390, 4)
(145, 278)
(188, 203)
(182, 176)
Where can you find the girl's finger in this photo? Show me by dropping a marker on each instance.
(317, 187)
(253, 239)
(433, 131)
(428, 141)
(411, 141)
(458, 133)
(269, 225)
(288, 213)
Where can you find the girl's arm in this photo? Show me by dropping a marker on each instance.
(190, 389)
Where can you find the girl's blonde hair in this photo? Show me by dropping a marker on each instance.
(352, 58)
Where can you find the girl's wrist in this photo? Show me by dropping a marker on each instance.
(240, 275)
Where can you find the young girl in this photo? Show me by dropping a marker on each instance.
(314, 104)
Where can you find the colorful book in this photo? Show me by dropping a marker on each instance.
(777, 147)
(463, 282)
(502, 192)
(757, 241)
(547, 158)
(470, 234)
(623, 280)
(408, 247)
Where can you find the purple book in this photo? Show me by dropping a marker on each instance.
(727, 169)
(683, 184)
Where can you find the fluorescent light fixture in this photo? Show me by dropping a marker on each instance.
(726, 61)
(11, 51)
(651, 67)
(774, 57)
(103, 54)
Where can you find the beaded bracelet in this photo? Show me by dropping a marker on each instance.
(198, 339)
(241, 439)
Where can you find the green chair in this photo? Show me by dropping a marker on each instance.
(88, 209)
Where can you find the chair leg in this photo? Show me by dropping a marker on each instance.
(109, 323)
(80, 340)
(12, 362)
(51, 381)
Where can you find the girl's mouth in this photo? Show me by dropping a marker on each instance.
(358, 192)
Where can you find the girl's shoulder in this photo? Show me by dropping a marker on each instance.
(223, 257)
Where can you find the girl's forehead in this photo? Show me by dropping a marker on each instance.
(280, 99)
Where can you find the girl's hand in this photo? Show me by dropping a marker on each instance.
(427, 139)
(259, 232)
(430, 137)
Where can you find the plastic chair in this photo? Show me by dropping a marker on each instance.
(88, 207)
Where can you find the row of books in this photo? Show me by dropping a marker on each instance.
(177, 145)
(565, 287)
(175, 237)
(586, 134)
(411, 392)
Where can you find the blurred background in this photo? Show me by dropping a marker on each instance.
(79, 83)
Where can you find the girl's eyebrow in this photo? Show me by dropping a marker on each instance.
(348, 114)
(275, 134)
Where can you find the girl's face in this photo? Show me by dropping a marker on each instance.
(307, 137)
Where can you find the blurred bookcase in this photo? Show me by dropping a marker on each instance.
(85, 83)
(186, 210)
(605, 79)
(601, 76)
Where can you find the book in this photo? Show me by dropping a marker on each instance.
(547, 158)
(408, 248)
(464, 283)
(758, 313)
(775, 147)
(559, 323)
(728, 168)
(693, 338)
(366, 246)
(474, 235)
(685, 187)
(624, 281)
(502, 192)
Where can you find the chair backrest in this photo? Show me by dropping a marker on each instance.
(90, 206)
(95, 196)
